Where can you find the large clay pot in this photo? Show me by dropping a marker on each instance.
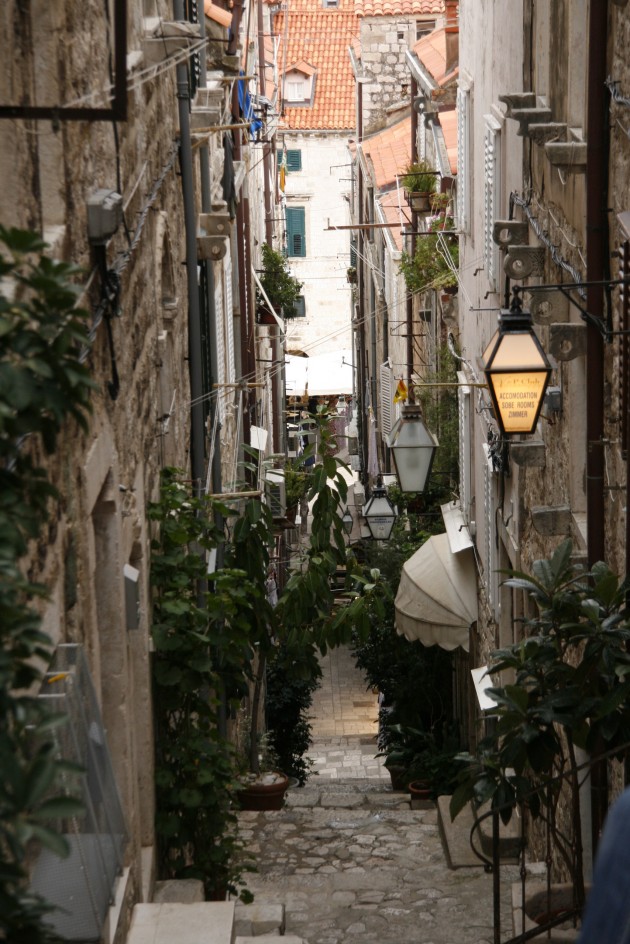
(538, 910)
(260, 796)
(420, 795)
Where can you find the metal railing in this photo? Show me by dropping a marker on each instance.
(81, 886)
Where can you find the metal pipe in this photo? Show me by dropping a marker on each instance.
(596, 269)
(414, 159)
(197, 426)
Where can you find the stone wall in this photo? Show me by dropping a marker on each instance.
(105, 477)
(384, 42)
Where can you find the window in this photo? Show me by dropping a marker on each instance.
(330, 4)
(299, 309)
(423, 27)
(296, 231)
(294, 160)
(295, 89)
(492, 193)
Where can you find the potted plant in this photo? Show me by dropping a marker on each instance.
(264, 788)
(281, 288)
(419, 181)
(351, 275)
(435, 259)
(570, 691)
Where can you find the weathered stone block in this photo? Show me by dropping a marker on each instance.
(257, 918)
(531, 455)
(551, 520)
(567, 341)
(184, 891)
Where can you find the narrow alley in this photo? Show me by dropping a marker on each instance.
(347, 859)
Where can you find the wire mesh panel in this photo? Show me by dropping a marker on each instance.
(81, 886)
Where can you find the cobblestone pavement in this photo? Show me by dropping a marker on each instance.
(361, 866)
(348, 858)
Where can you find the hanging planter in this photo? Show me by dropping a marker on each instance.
(419, 182)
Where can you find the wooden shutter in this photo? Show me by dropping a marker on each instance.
(492, 191)
(387, 400)
(296, 231)
(463, 159)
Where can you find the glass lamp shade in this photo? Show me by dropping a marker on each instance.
(518, 372)
(413, 447)
(347, 521)
(379, 515)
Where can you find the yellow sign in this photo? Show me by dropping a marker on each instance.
(518, 396)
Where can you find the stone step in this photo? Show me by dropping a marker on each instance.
(272, 939)
(208, 922)
(456, 836)
(258, 918)
(346, 794)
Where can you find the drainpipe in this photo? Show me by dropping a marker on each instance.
(278, 406)
(412, 246)
(197, 426)
(206, 206)
(596, 270)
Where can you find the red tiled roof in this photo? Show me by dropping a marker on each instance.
(431, 52)
(321, 37)
(398, 7)
(389, 152)
(395, 210)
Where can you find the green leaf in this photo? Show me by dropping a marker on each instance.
(61, 806)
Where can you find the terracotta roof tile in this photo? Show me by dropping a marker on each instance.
(398, 7)
(430, 50)
(395, 210)
(389, 152)
(320, 37)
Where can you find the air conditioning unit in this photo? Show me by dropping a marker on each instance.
(275, 493)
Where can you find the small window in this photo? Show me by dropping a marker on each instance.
(296, 231)
(330, 4)
(294, 160)
(400, 35)
(299, 309)
(295, 89)
(423, 27)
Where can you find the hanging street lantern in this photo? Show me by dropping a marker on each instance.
(413, 447)
(517, 371)
(379, 514)
(347, 521)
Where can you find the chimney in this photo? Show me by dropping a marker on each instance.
(451, 30)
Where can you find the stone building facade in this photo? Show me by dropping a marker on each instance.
(172, 298)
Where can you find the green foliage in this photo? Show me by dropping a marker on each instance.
(203, 649)
(440, 409)
(419, 178)
(430, 267)
(42, 384)
(431, 756)
(289, 698)
(280, 287)
(571, 689)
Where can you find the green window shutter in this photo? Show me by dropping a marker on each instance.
(294, 160)
(296, 231)
(353, 254)
(299, 309)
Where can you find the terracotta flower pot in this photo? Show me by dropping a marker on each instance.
(261, 795)
(420, 795)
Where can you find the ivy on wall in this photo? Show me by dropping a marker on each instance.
(43, 382)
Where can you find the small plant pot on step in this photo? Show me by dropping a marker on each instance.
(420, 795)
(264, 794)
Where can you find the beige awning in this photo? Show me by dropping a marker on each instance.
(436, 601)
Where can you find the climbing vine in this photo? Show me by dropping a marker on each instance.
(43, 382)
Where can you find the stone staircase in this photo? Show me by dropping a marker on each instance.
(344, 861)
